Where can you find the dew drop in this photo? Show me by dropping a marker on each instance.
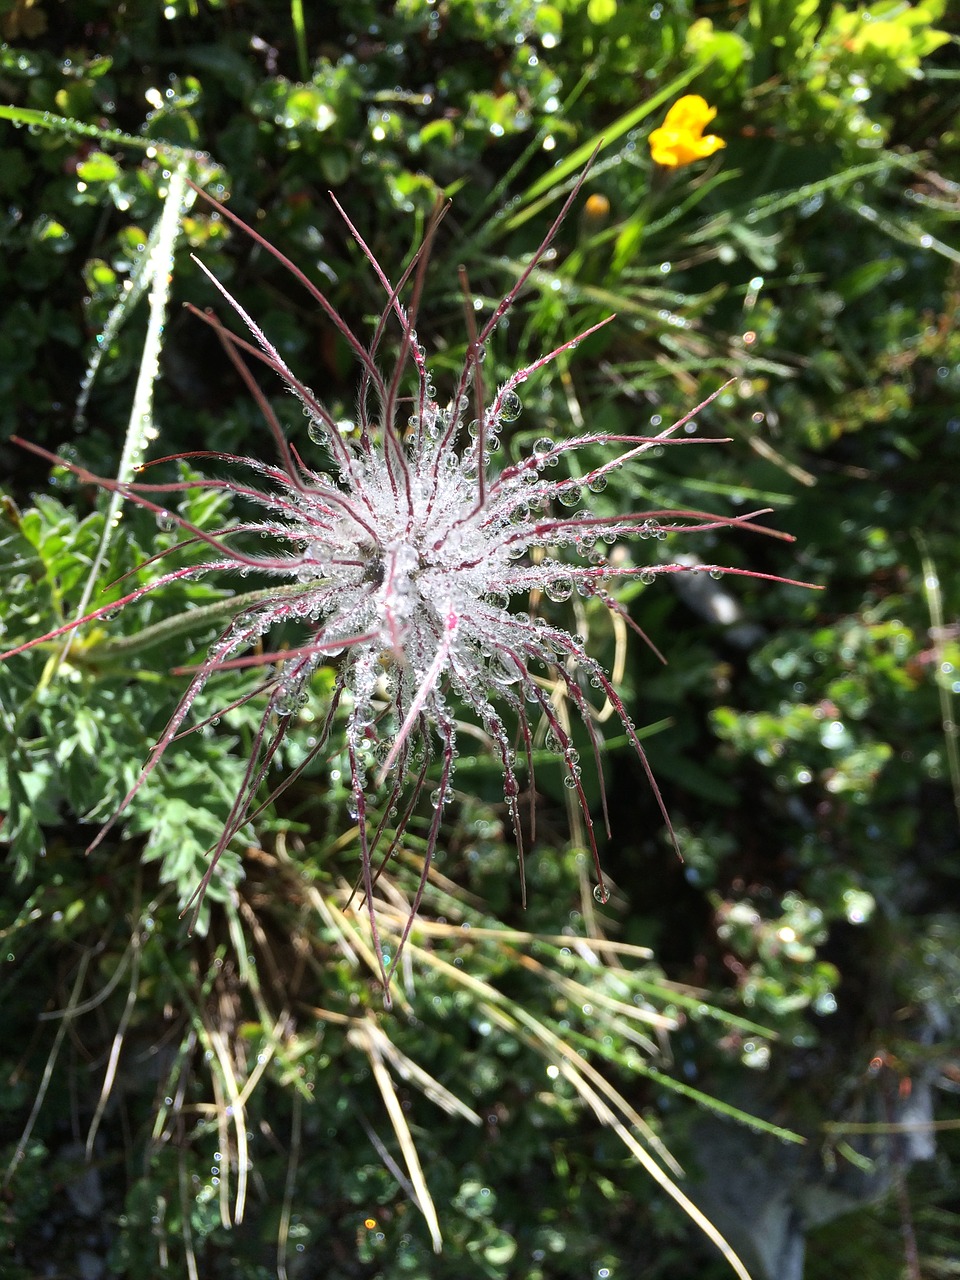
(510, 406)
(601, 893)
(287, 702)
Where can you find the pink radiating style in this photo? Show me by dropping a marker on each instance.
(401, 562)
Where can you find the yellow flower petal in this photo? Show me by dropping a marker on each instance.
(680, 139)
(691, 113)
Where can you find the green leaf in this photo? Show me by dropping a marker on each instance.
(601, 11)
(98, 167)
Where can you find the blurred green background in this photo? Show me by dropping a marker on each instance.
(238, 1103)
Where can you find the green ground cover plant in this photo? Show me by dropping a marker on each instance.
(541, 1096)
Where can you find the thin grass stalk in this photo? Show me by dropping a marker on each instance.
(360, 1036)
(289, 1185)
(186, 1231)
(158, 268)
(47, 1076)
(115, 1048)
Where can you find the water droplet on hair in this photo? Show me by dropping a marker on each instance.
(510, 406)
(558, 590)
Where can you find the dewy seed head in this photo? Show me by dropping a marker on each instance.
(402, 560)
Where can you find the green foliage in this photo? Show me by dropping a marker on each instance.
(810, 758)
(75, 725)
(841, 68)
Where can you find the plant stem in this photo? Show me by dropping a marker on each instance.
(188, 620)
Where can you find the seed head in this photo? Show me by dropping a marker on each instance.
(403, 560)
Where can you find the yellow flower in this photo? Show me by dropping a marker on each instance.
(680, 140)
